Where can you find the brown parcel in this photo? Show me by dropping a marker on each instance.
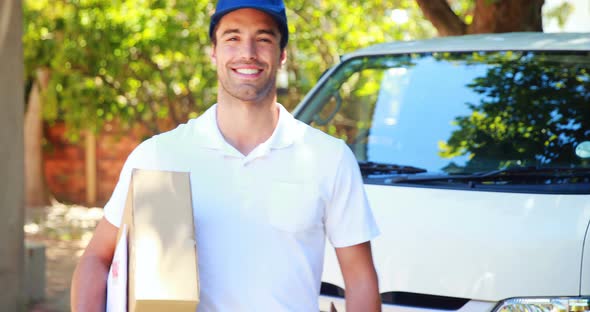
(163, 263)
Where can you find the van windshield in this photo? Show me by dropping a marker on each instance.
(460, 113)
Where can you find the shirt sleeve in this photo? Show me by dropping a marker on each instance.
(349, 219)
(139, 157)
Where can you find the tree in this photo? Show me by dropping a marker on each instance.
(321, 31)
(36, 192)
(454, 18)
(132, 61)
(137, 61)
(38, 50)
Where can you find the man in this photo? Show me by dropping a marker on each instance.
(266, 188)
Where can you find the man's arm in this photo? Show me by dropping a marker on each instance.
(88, 291)
(360, 278)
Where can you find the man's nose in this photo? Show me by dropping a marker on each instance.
(248, 49)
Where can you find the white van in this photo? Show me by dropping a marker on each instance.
(475, 153)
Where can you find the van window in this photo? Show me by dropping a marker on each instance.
(463, 114)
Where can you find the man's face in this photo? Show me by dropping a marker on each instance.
(247, 55)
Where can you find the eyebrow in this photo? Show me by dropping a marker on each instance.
(258, 32)
(267, 32)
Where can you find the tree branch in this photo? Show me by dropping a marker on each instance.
(166, 81)
(323, 45)
(442, 17)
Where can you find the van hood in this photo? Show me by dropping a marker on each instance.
(475, 245)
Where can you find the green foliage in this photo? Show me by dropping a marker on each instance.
(561, 13)
(136, 61)
(147, 61)
(324, 30)
(464, 8)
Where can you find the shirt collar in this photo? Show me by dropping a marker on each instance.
(208, 134)
(285, 131)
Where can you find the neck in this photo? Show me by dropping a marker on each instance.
(245, 125)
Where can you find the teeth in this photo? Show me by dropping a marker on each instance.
(247, 71)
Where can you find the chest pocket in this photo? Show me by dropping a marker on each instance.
(294, 207)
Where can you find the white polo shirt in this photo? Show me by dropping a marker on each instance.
(260, 220)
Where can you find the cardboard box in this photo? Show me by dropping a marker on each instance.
(163, 263)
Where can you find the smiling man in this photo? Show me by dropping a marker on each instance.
(267, 189)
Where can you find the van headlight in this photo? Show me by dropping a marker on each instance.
(557, 304)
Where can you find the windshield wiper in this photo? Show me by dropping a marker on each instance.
(544, 175)
(536, 171)
(369, 167)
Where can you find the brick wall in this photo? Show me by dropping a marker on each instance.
(65, 162)
(112, 151)
(64, 166)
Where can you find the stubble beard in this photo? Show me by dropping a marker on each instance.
(249, 92)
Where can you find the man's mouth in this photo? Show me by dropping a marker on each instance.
(248, 71)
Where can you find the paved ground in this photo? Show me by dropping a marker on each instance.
(65, 231)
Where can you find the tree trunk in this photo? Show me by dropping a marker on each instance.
(507, 16)
(36, 192)
(488, 17)
(442, 17)
(90, 162)
(12, 277)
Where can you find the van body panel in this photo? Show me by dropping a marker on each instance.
(478, 245)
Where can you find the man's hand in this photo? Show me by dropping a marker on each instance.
(88, 291)
(360, 278)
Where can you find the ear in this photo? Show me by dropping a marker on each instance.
(213, 55)
(283, 56)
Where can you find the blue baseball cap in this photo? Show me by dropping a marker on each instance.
(274, 8)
